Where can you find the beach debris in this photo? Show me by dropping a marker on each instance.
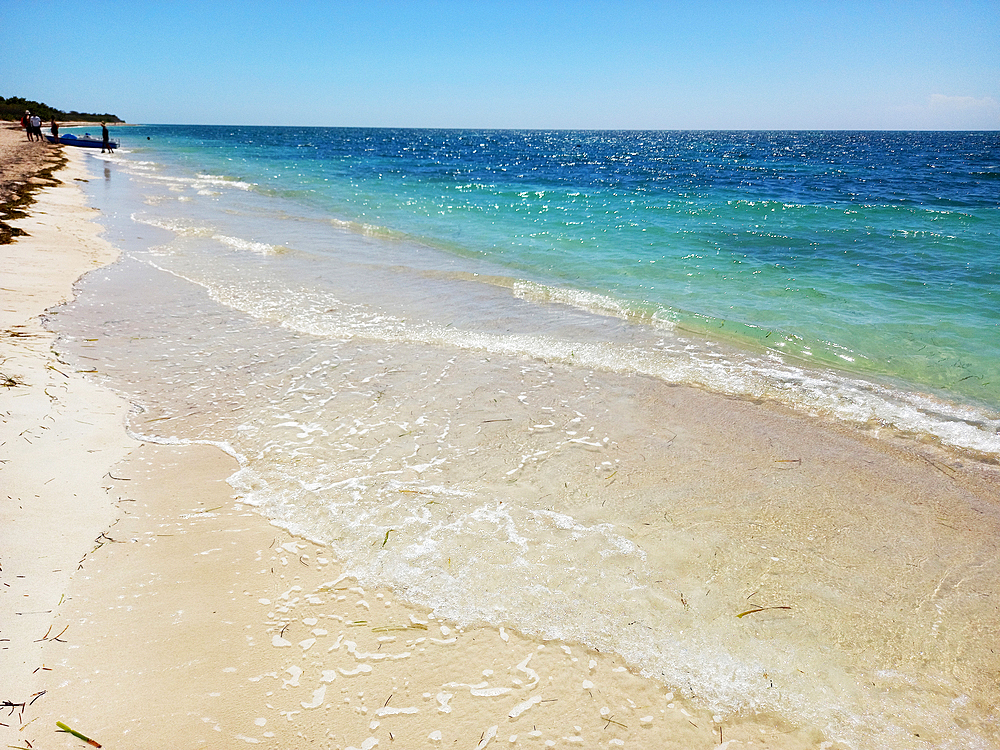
(944, 469)
(53, 638)
(760, 609)
(16, 334)
(103, 539)
(11, 705)
(487, 736)
(395, 628)
(788, 463)
(10, 381)
(64, 728)
(610, 720)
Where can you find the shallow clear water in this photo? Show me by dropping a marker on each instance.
(875, 252)
(453, 357)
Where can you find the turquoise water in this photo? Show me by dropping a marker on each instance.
(875, 253)
(451, 357)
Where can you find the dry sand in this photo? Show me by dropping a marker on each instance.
(144, 607)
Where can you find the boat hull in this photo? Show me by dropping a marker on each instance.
(82, 141)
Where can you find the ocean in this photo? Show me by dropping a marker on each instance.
(569, 383)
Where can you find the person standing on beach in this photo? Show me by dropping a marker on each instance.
(36, 127)
(106, 137)
(54, 127)
(26, 124)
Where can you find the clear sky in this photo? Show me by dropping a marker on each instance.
(795, 64)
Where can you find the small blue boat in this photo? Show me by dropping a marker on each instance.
(86, 140)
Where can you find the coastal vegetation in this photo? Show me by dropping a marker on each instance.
(13, 108)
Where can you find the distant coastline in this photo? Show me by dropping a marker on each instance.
(13, 107)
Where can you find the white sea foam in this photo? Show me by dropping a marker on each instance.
(261, 248)
(149, 173)
(850, 399)
(588, 301)
(179, 226)
(187, 228)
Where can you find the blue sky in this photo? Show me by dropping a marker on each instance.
(799, 64)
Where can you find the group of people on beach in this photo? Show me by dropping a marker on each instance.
(32, 125)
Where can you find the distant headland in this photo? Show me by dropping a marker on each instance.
(13, 108)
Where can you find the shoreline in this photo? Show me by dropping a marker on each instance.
(24, 172)
(143, 605)
(61, 433)
(191, 620)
